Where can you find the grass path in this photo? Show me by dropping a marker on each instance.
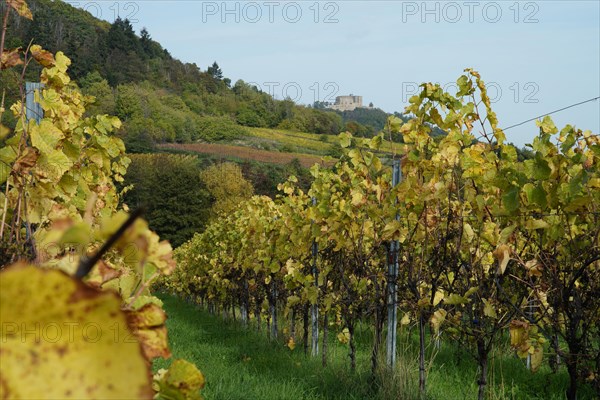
(242, 364)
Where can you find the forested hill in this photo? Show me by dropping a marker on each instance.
(158, 97)
(115, 51)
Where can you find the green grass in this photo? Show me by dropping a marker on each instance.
(243, 364)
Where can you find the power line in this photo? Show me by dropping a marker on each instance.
(551, 112)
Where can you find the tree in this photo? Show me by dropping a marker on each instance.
(104, 99)
(215, 71)
(122, 36)
(150, 48)
(227, 186)
(170, 189)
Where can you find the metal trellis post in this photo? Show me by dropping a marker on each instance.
(314, 312)
(392, 288)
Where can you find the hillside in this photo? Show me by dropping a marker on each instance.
(159, 98)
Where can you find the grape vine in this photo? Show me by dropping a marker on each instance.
(488, 243)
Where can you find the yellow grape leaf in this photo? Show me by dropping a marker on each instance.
(293, 300)
(148, 323)
(471, 291)
(164, 257)
(10, 58)
(437, 318)
(534, 268)
(439, 296)
(344, 336)
(357, 198)
(423, 302)
(63, 339)
(489, 310)
(182, 381)
(44, 57)
(469, 233)
(20, 6)
(140, 301)
(518, 333)
(62, 61)
(291, 344)
(26, 160)
(502, 254)
(393, 231)
(405, 319)
(102, 273)
(536, 224)
(45, 136)
(536, 359)
(4, 131)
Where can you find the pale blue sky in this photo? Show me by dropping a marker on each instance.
(537, 56)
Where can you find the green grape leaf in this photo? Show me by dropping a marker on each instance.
(63, 339)
(455, 299)
(506, 233)
(536, 194)
(394, 123)
(293, 300)
(511, 199)
(345, 139)
(375, 142)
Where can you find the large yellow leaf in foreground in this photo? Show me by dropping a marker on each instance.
(61, 339)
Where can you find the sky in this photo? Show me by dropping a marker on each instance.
(535, 56)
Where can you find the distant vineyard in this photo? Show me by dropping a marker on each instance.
(301, 140)
(246, 153)
(314, 143)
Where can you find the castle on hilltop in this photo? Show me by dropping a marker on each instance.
(347, 103)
